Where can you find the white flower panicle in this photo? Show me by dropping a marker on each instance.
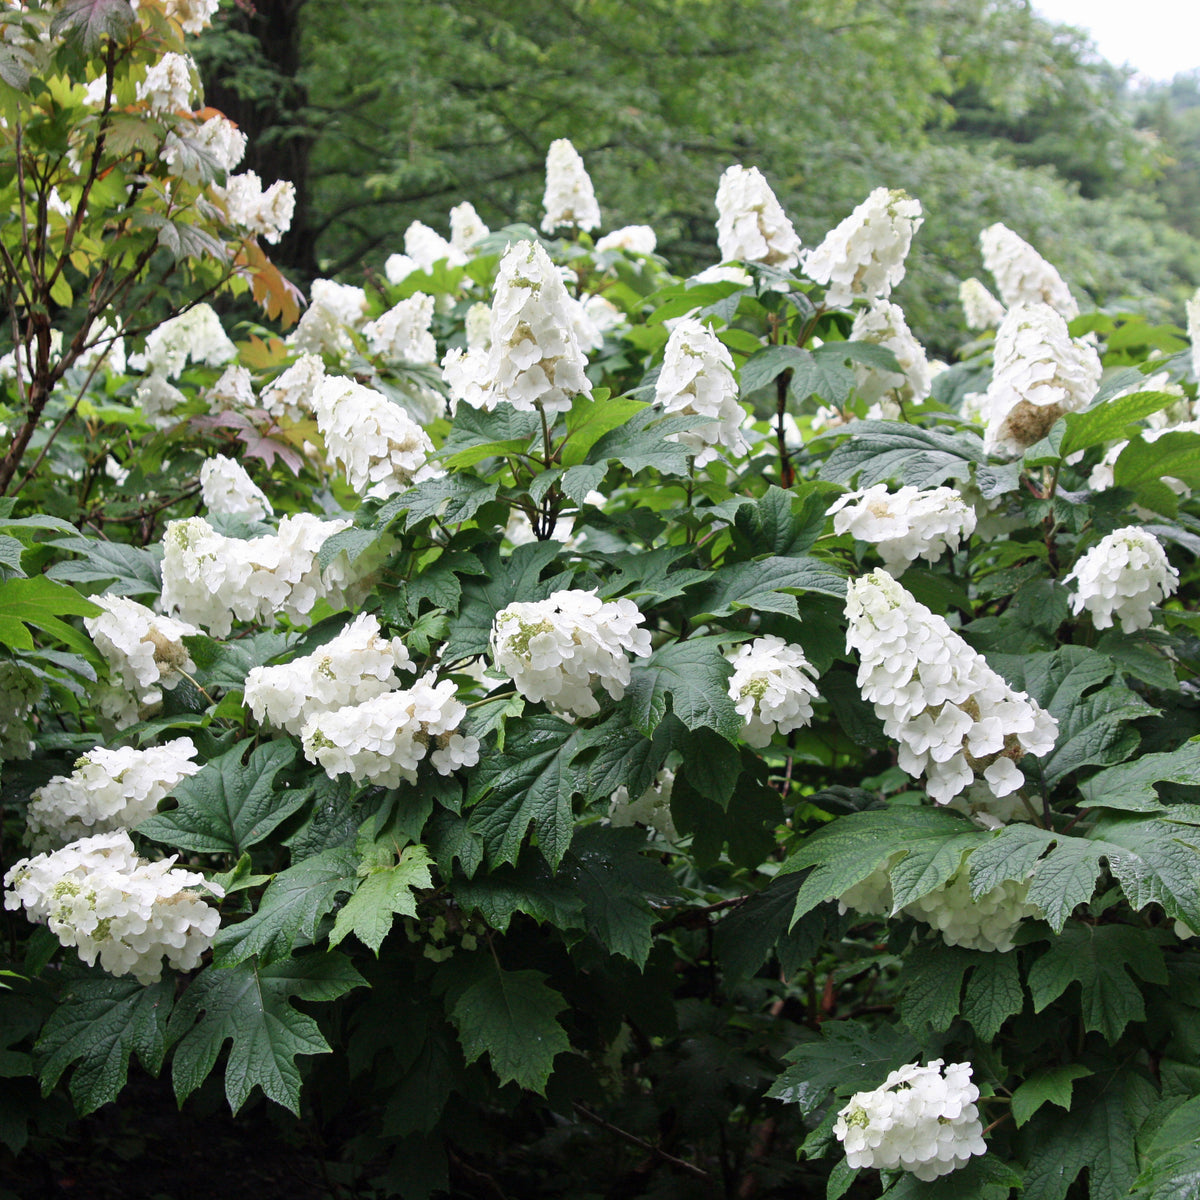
(534, 360)
(233, 390)
(334, 309)
(290, 396)
(266, 214)
(210, 579)
(144, 650)
(466, 227)
(20, 690)
(751, 223)
(570, 198)
(426, 247)
(1123, 577)
(633, 239)
(100, 897)
(864, 255)
(158, 399)
(772, 688)
(954, 717)
(904, 525)
(988, 922)
(384, 739)
(109, 789)
(217, 143)
(652, 807)
(920, 1119)
(194, 16)
(354, 666)
(169, 85)
(883, 324)
(381, 448)
(1022, 275)
(697, 379)
(196, 335)
(1039, 373)
(557, 649)
(980, 308)
(225, 487)
(1192, 309)
(402, 333)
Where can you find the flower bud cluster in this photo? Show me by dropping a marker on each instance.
(384, 739)
(771, 688)
(109, 789)
(20, 690)
(1022, 275)
(864, 255)
(100, 897)
(226, 487)
(144, 651)
(883, 324)
(697, 379)
(1123, 576)
(354, 666)
(556, 649)
(954, 717)
(751, 223)
(1039, 373)
(382, 449)
(905, 525)
(209, 579)
(652, 807)
(920, 1119)
(570, 198)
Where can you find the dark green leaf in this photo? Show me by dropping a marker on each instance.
(994, 994)
(881, 451)
(1052, 1086)
(127, 570)
(1130, 786)
(385, 891)
(694, 676)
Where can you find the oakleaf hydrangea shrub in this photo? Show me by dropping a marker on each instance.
(545, 713)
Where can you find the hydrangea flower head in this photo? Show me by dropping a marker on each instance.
(954, 717)
(1039, 373)
(904, 525)
(980, 308)
(1022, 275)
(883, 324)
(226, 487)
(652, 807)
(557, 649)
(570, 198)
(920, 1119)
(864, 255)
(697, 379)
(751, 223)
(97, 895)
(772, 688)
(1123, 576)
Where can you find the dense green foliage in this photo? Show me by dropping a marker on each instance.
(492, 979)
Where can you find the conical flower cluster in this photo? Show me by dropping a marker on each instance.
(557, 649)
(864, 255)
(920, 1119)
(570, 198)
(980, 308)
(355, 666)
(1022, 275)
(1039, 373)
(697, 379)
(534, 360)
(772, 688)
(97, 895)
(954, 717)
(1123, 576)
(905, 525)
(109, 789)
(226, 487)
(751, 223)
(883, 324)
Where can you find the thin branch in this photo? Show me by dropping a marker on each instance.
(633, 1139)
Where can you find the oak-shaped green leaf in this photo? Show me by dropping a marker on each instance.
(97, 1024)
(250, 1005)
(1051, 1086)
(386, 891)
(229, 805)
(693, 676)
(511, 1016)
